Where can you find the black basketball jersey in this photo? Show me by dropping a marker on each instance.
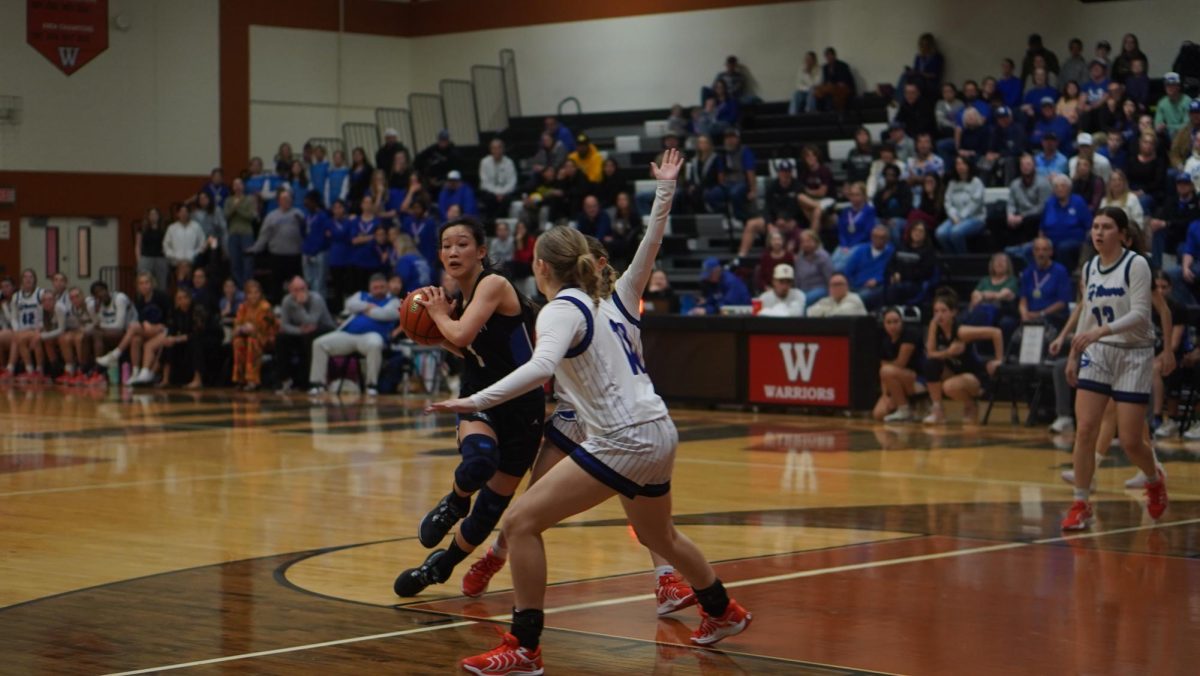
(502, 344)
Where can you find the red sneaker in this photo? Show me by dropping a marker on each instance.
(1080, 517)
(476, 581)
(97, 379)
(507, 659)
(673, 594)
(713, 629)
(24, 378)
(5, 375)
(1156, 496)
(65, 379)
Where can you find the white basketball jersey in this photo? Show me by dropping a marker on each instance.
(604, 375)
(27, 310)
(115, 315)
(1113, 292)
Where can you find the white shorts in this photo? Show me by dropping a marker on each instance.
(635, 460)
(1124, 373)
(564, 430)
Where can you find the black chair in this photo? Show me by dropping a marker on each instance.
(1018, 377)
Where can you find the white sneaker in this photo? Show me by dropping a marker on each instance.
(316, 391)
(902, 414)
(372, 392)
(1139, 480)
(1167, 429)
(1068, 476)
(1193, 433)
(109, 359)
(144, 377)
(1062, 424)
(935, 417)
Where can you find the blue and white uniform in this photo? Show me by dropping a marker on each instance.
(26, 310)
(1119, 365)
(594, 350)
(116, 316)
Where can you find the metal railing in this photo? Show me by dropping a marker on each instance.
(508, 62)
(331, 144)
(491, 104)
(400, 120)
(361, 135)
(570, 99)
(428, 118)
(121, 278)
(458, 110)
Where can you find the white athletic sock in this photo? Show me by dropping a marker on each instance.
(497, 551)
(1081, 494)
(663, 570)
(70, 369)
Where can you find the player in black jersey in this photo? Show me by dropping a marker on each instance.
(493, 331)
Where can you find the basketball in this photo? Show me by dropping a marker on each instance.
(416, 322)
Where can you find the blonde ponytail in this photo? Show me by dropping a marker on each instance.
(566, 251)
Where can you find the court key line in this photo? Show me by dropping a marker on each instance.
(645, 597)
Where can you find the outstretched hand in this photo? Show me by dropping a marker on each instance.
(671, 162)
(450, 406)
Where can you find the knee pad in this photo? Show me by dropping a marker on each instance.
(484, 516)
(480, 457)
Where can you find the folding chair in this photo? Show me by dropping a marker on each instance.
(1025, 358)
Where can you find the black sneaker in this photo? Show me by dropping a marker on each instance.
(438, 522)
(414, 580)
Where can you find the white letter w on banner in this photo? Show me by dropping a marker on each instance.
(799, 358)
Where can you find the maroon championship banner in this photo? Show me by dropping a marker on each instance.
(799, 370)
(69, 33)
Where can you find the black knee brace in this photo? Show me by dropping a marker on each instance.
(480, 456)
(484, 516)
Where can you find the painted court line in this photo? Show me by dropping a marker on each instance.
(646, 597)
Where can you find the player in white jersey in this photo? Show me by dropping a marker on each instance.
(75, 341)
(1112, 357)
(7, 289)
(564, 433)
(586, 343)
(117, 327)
(25, 312)
(59, 287)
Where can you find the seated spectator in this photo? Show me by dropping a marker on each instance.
(854, 224)
(867, 267)
(737, 183)
(611, 183)
(917, 112)
(837, 83)
(952, 368)
(726, 108)
(1066, 220)
(626, 230)
(900, 354)
(659, 295)
(551, 153)
(974, 137)
(677, 123)
(1095, 90)
(231, 300)
(1037, 92)
(947, 111)
(587, 158)
(995, 295)
(813, 268)
(1190, 252)
(928, 203)
(781, 299)
(704, 168)
(887, 156)
(193, 333)
(893, 201)
(1005, 146)
(1184, 141)
(1170, 225)
(1027, 197)
(184, 239)
(148, 333)
(202, 292)
(732, 78)
(1074, 68)
(1191, 168)
(816, 192)
(775, 254)
(1175, 348)
(1114, 150)
(1070, 104)
(438, 160)
(858, 161)
(1050, 162)
(899, 139)
(1087, 184)
(593, 220)
(782, 207)
(840, 302)
(965, 212)
(559, 132)
(704, 118)
(374, 314)
(456, 191)
(1086, 149)
(971, 101)
(282, 238)
(719, 287)
(1147, 172)
(45, 346)
(1114, 111)
(911, 267)
(1046, 287)
(523, 247)
(303, 318)
(572, 186)
(500, 248)
(358, 179)
(1009, 85)
(414, 272)
(1171, 113)
(254, 331)
(807, 78)
(925, 161)
(1048, 122)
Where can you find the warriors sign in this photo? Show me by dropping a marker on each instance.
(69, 33)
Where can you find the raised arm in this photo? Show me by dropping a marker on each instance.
(631, 284)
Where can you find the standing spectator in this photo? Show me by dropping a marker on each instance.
(837, 83)
(893, 201)
(1086, 184)
(551, 153)
(400, 174)
(854, 224)
(318, 172)
(1169, 227)
(386, 155)
(457, 191)
(303, 318)
(736, 189)
(587, 158)
(900, 355)
(917, 112)
(318, 236)
(255, 178)
(216, 188)
(358, 178)
(813, 268)
(386, 201)
(363, 258)
(500, 247)
(193, 333)
(340, 258)
(781, 299)
(282, 238)
(946, 111)
(1027, 197)
(184, 240)
(1036, 49)
(1046, 288)
(1074, 67)
(216, 235)
(1122, 66)
(719, 287)
(1171, 114)
(911, 267)
(560, 133)
(148, 243)
(298, 182)
(253, 332)
(337, 182)
(374, 314)
(840, 302)
(867, 267)
(1009, 85)
(807, 78)
(497, 181)
(965, 212)
(1050, 162)
(774, 254)
(1118, 195)
(438, 160)
(781, 206)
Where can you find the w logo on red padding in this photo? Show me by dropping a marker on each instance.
(67, 57)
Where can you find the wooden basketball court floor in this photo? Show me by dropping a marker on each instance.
(220, 532)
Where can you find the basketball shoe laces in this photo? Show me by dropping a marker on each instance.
(508, 654)
(487, 566)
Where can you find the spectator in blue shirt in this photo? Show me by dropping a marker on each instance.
(1046, 288)
(1009, 85)
(337, 179)
(1096, 88)
(317, 233)
(457, 191)
(340, 258)
(718, 288)
(255, 179)
(364, 259)
(1049, 120)
(593, 220)
(1065, 222)
(407, 263)
(1115, 151)
(423, 229)
(216, 188)
(854, 224)
(737, 187)
(1050, 162)
(559, 132)
(866, 267)
(318, 171)
(1037, 94)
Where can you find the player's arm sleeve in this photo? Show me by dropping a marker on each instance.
(559, 326)
(1139, 294)
(633, 282)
